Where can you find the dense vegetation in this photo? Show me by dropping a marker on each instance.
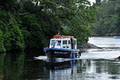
(108, 18)
(29, 24)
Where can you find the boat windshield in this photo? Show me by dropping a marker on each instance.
(53, 42)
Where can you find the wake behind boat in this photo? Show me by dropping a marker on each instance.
(62, 47)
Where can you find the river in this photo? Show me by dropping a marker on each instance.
(94, 64)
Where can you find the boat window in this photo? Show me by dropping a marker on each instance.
(59, 42)
(75, 42)
(65, 42)
(53, 43)
(69, 42)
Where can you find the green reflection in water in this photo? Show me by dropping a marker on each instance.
(13, 66)
(1, 66)
(34, 69)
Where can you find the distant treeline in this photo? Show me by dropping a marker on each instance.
(29, 24)
(108, 18)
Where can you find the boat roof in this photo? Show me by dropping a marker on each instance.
(62, 38)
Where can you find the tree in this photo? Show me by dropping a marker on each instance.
(11, 35)
(29, 24)
(107, 18)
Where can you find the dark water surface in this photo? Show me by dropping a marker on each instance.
(94, 64)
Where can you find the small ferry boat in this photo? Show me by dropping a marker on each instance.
(62, 47)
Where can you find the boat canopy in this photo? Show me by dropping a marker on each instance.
(62, 36)
(66, 42)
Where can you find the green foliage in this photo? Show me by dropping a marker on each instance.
(79, 25)
(108, 18)
(25, 24)
(12, 36)
(2, 49)
(32, 31)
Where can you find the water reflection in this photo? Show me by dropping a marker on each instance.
(1, 66)
(34, 70)
(99, 69)
(21, 67)
(83, 70)
(66, 70)
(11, 66)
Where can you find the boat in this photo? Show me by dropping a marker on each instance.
(117, 37)
(62, 46)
